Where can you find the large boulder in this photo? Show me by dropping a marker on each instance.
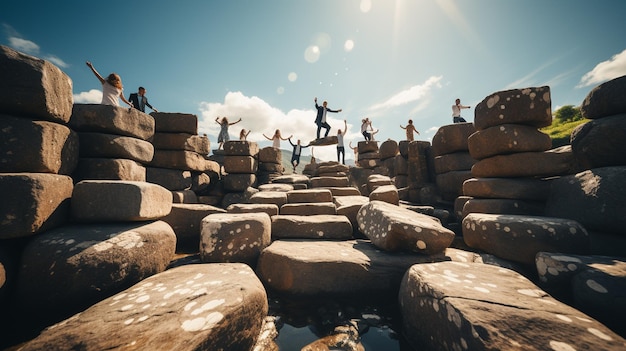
(112, 120)
(36, 146)
(79, 265)
(549, 163)
(519, 238)
(606, 99)
(33, 88)
(185, 220)
(192, 307)
(33, 203)
(102, 200)
(595, 198)
(507, 139)
(451, 138)
(101, 145)
(470, 306)
(600, 142)
(109, 169)
(393, 228)
(507, 188)
(528, 106)
(321, 227)
(171, 122)
(182, 141)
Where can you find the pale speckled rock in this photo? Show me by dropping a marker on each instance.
(270, 155)
(192, 307)
(349, 206)
(388, 149)
(507, 188)
(36, 146)
(386, 193)
(277, 198)
(343, 337)
(595, 198)
(109, 169)
(241, 148)
(451, 138)
(309, 195)
(112, 120)
(239, 182)
(465, 306)
(321, 227)
(101, 145)
(337, 268)
(507, 139)
(321, 182)
(596, 283)
(520, 238)
(308, 209)
(102, 200)
(33, 203)
(79, 265)
(528, 106)
(33, 88)
(233, 237)
(559, 161)
(393, 228)
(172, 122)
(600, 142)
(185, 220)
(606, 99)
(270, 209)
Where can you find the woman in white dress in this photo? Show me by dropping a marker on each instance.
(112, 88)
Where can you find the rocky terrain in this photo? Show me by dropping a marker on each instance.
(119, 231)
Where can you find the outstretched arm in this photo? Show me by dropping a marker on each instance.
(345, 127)
(230, 124)
(292, 144)
(266, 137)
(216, 120)
(93, 69)
(402, 127)
(124, 99)
(287, 138)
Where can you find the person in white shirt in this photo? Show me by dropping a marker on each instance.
(456, 111)
(276, 138)
(340, 148)
(366, 127)
(112, 88)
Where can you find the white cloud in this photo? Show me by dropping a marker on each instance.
(92, 96)
(56, 61)
(261, 118)
(411, 94)
(606, 70)
(24, 45)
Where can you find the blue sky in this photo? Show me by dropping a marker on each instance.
(265, 61)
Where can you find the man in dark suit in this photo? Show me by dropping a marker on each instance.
(140, 101)
(320, 120)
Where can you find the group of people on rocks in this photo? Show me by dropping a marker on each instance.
(112, 89)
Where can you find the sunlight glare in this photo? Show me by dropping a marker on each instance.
(366, 6)
(312, 54)
(280, 90)
(348, 45)
(292, 76)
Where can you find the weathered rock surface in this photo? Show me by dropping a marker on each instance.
(270, 209)
(101, 145)
(192, 307)
(101, 200)
(320, 227)
(79, 265)
(386, 193)
(451, 138)
(503, 206)
(529, 106)
(185, 220)
(309, 209)
(319, 182)
(520, 238)
(507, 139)
(112, 120)
(181, 159)
(33, 202)
(277, 198)
(33, 88)
(553, 162)
(240, 164)
(457, 161)
(171, 179)
(309, 195)
(329, 140)
(507, 188)
(393, 228)
(606, 99)
(600, 142)
(336, 268)
(241, 148)
(36, 146)
(465, 306)
(233, 237)
(595, 198)
(109, 169)
(182, 141)
(171, 122)
(276, 187)
(239, 182)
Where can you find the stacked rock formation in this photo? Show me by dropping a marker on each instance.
(240, 164)
(369, 155)
(179, 162)
(401, 169)
(388, 151)
(451, 160)
(514, 156)
(421, 188)
(270, 165)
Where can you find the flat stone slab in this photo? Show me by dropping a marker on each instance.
(171, 179)
(470, 306)
(503, 206)
(181, 159)
(275, 187)
(109, 169)
(191, 307)
(507, 188)
(277, 198)
(529, 106)
(393, 228)
(335, 268)
(343, 191)
(241, 148)
(329, 140)
(507, 139)
(270, 209)
(182, 141)
(449, 139)
(386, 193)
(520, 238)
(112, 120)
(559, 161)
(292, 179)
(319, 182)
(33, 203)
(185, 220)
(240, 164)
(102, 200)
(333, 227)
(309, 195)
(79, 265)
(309, 209)
(172, 122)
(101, 145)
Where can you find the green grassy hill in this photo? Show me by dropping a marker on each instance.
(560, 133)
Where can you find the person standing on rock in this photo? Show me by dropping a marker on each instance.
(223, 136)
(355, 149)
(243, 135)
(320, 120)
(276, 138)
(112, 88)
(340, 148)
(456, 111)
(410, 129)
(140, 101)
(295, 154)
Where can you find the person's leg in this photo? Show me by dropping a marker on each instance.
(319, 129)
(327, 126)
